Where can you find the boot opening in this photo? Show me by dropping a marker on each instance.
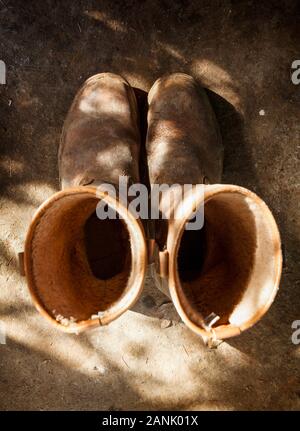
(80, 264)
(107, 246)
(229, 266)
(191, 254)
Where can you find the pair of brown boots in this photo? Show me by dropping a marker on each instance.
(83, 271)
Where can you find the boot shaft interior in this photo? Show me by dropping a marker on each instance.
(231, 265)
(80, 265)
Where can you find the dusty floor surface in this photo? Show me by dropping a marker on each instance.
(243, 55)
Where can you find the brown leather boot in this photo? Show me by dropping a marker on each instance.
(221, 278)
(82, 271)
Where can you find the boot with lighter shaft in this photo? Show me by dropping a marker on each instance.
(83, 271)
(223, 277)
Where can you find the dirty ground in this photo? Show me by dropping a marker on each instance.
(242, 53)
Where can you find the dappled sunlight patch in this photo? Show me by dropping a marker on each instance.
(10, 167)
(105, 19)
(64, 348)
(155, 369)
(218, 80)
(37, 192)
(172, 51)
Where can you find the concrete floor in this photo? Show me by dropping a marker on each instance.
(243, 55)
